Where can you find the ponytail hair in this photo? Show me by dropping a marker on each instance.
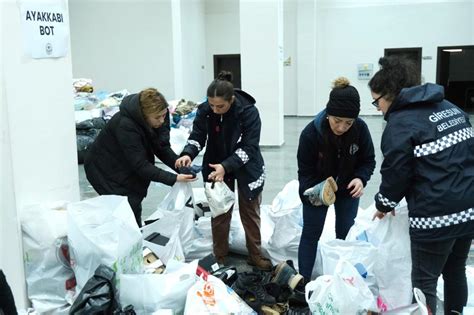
(395, 74)
(222, 86)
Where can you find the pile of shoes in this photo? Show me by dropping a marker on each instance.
(280, 291)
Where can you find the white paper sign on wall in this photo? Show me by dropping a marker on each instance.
(364, 71)
(45, 28)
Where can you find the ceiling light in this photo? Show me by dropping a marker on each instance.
(453, 50)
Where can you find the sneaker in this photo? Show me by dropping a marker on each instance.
(298, 299)
(260, 262)
(249, 286)
(285, 273)
(323, 193)
(281, 293)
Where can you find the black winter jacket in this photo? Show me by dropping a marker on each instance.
(233, 141)
(428, 148)
(122, 158)
(317, 160)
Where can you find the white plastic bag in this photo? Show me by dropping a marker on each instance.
(178, 138)
(201, 205)
(344, 292)
(390, 236)
(286, 217)
(470, 286)
(237, 239)
(103, 230)
(220, 197)
(175, 213)
(358, 253)
(151, 292)
(202, 243)
(171, 251)
(214, 297)
(329, 254)
(49, 275)
(418, 308)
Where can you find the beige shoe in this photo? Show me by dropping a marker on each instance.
(323, 193)
(275, 309)
(328, 192)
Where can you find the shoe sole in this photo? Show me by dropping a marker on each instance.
(294, 281)
(329, 191)
(267, 310)
(281, 277)
(290, 277)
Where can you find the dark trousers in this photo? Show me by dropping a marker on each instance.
(430, 260)
(249, 215)
(136, 205)
(7, 303)
(313, 223)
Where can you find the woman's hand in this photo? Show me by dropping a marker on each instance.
(380, 215)
(357, 188)
(185, 160)
(185, 178)
(218, 174)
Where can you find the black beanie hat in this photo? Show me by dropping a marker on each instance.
(344, 100)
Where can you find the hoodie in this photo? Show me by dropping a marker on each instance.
(346, 157)
(428, 149)
(121, 160)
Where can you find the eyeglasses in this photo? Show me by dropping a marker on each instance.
(376, 101)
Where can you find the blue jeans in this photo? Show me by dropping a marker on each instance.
(430, 260)
(313, 223)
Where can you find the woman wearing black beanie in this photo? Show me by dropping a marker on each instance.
(335, 152)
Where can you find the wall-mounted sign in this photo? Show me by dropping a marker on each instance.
(364, 71)
(45, 28)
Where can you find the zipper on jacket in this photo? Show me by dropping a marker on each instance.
(223, 136)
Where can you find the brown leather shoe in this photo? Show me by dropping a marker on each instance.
(220, 260)
(260, 262)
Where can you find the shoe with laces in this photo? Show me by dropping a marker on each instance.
(281, 293)
(285, 273)
(249, 286)
(298, 298)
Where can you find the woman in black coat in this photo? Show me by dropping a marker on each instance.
(121, 161)
(336, 144)
(428, 149)
(228, 124)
